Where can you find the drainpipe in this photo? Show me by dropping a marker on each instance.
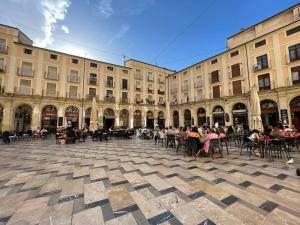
(82, 93)
(248, 75)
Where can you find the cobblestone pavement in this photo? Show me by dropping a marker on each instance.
(135, 182)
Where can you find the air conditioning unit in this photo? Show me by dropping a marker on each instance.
(257, 67)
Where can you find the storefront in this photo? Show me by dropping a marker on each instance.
(161, 119)
(269, 113)
(240, 114)
(72, 116)
(187, 118)
(176, 119)
(49, 118)
(150, 119)
(201, 116)
(124, 118)
(23, 117)
(295, 111)
(137, 119)
(109, 119)
(218, 115)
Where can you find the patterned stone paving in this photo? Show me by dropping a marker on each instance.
(135, 182)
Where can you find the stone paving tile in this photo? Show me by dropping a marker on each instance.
(135, 182)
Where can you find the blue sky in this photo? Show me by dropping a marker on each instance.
(169, 33)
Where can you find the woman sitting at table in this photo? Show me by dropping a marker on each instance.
(254, 137)
(209, 136)
(277, 132)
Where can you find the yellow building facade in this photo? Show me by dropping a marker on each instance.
(44, 88)
(266, 55)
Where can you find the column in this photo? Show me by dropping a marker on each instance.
(181, 118)
(36, 117)
(194, 117)
(8, 117)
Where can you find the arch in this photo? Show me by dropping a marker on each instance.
(137, 119)
(87, 116)
(201, 115)
(187, 117)
(161, 119)
(269, 112)
(295, 111)
(23, 118)
(240, 114)
(108, 118)
(176, 118)
(150, 119)
(72, 116)
(124, 118)
(1, 116)
(49, 118)
(218, 115)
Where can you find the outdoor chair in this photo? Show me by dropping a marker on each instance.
(248, 144)
(215, 144)
(277, 148)
(224, 142)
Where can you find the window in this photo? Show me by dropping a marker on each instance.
(215, 76)
(73, 92)
(235, 70)
(110, 82)
(264, 82)
(52, 56)
(293, 31)
(235, 53)
(51, 90)
(214, 61)
(124, 84)
(185, 73)
(75, 61)
(92, 92)
(198, 68)
(237, 87)
(216, 91)
(124, 97)
(125, 71)
(110, 68)
(26, 69)
(294, 52)
(27, 51)
(93, 79)
(262, 62)
(260, 43)
(2, 45)
(25, 87)
(74, 78)
(1, 65)
(52, 73)
(94, 65)
(109, 93)
(296, 75)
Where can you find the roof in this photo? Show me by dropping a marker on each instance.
(15, 29)
(244, 30)
(150, 64)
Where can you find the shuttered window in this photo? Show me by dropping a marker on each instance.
(237, 87)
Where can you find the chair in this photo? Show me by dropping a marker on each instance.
(180, 144)
(191, 145)
(215, 144)
(277, 147)
(224, 141)
(248, 144)
(170, 141)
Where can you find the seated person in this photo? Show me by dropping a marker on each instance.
(222, 133)
(210, 135)
(254, 137)
(277, 133)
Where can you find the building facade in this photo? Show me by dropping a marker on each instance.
(45, 88)
(266, 55)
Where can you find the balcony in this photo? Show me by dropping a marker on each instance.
(150, 91)
(231, 75)
(124, 100)
(3, 49)
(139, 101)
(72, 95)
(124, 87)
(185, 100)
(198, 84)
(161, 80)
(25, 72)
(160, 92)
(150, 102)
(199, 98)
(50, 93)
(161, 103)
(51, 76)
(174, 102)
(173, 90)
(91, 96)
(185, 87)
(110, 84)
(73, 79)
(259, 67)
(93, 81)
(110, 99)
(23, 91)
(138, 76)
(138, 88)
(150, 79)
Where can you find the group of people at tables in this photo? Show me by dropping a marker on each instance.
(205, 134)
(70, 135)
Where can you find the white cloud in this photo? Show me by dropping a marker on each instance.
(104, 7)
(124, 29)
(53, 11)
(137, 7)
(65, 29)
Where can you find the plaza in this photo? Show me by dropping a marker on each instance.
(136, 182)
